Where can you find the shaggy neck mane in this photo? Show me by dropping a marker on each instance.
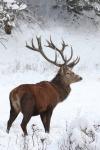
(62, 88)
(58, 80)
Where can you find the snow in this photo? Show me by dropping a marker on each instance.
(22, 6)
(9, 1)
(75, 123)
(14, 5)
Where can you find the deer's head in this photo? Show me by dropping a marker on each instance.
(65, 71)
(68, 76)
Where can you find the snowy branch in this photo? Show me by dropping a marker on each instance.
(8, 12)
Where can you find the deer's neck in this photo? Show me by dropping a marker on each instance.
(62, 88)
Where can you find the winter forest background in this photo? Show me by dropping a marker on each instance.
(75, 123)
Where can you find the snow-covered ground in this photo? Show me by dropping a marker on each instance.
(75, 122)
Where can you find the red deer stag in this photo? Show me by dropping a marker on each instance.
(41, 98)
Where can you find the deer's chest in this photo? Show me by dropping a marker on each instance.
(64, 93)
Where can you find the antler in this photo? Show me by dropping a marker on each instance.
(40, 50)
(51, 45)
(74, 62)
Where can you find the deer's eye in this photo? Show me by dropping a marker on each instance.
(67, 73)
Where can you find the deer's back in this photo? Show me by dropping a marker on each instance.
(44, 94)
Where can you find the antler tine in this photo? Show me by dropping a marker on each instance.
(32, 47)
(33, 44)
(73, 63)
(51, 44)
(77, 60)
(29, 46)
(39, 43)
(63, 46)
(55, 57)
(70, 55)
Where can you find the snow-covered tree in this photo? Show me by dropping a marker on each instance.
(8, 11)
(78, 6)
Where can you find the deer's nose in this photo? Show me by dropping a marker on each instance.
(80, 78)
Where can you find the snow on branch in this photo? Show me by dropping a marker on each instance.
(8, 12)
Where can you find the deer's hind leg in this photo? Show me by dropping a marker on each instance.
(27, 107)
(13, 116)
